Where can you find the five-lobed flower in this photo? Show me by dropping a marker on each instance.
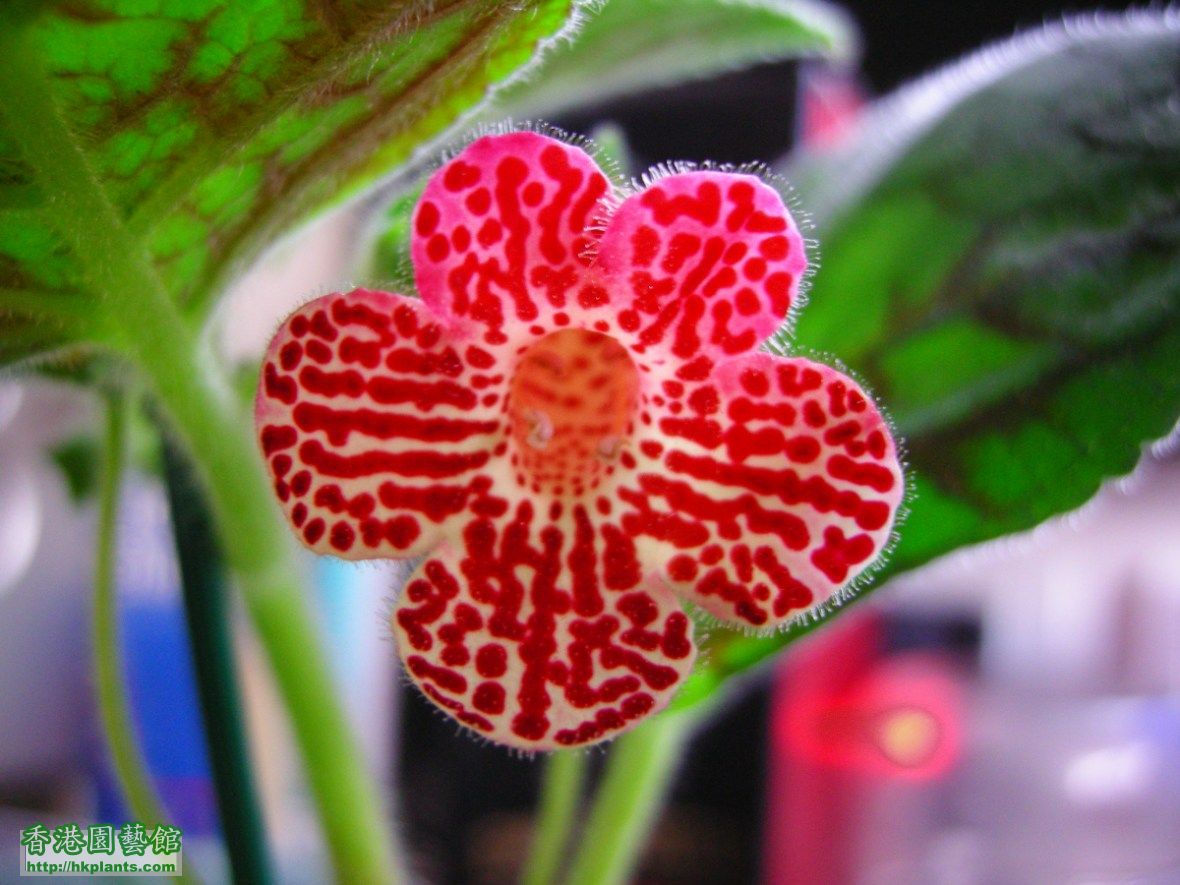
(573, 426)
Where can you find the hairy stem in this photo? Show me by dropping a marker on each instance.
(113, 706)
(561, 790)
(627, 804)
(208, 421)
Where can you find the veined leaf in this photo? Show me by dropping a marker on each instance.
(633, 45)
(1001, 263)
(213, 125)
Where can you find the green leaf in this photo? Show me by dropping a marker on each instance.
(635, 45)
(211, 126)
(1001, 264)
(390, 264)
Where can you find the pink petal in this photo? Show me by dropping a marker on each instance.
(499, 239)
(539, 629)
(378, 432)
(702, 264)
(764, 488)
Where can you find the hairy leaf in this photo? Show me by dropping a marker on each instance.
(1001, 263)
(633, 45)
(211, 126)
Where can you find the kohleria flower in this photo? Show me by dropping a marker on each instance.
(573, 427)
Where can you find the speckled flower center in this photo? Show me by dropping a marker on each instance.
(570, 404)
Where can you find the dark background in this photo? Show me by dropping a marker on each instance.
(469, 804)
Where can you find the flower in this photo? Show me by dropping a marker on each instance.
(573, 426)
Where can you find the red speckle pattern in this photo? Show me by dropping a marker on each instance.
(756, 513)
(575, 429)
(709, 262)
(500, 235)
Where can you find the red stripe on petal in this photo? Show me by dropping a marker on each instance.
(379, 440)
(711, 262)
(564, 642)
(757, 517)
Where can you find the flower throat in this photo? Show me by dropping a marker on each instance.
(571, 404)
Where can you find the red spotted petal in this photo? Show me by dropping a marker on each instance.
(377, 430)
(702, 264)
(574, 440)
(764, 488)
(499, 236)
(540, 630)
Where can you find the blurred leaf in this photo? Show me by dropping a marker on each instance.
(391, 266)
(1001, 263)
(635, 45)
(80, 461)
(25, 339)
(42, 327)
(211, 126)
(79, 458)
(612, 151)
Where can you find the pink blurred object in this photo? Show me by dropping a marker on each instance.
(845, 720)
(830, 101)
(899, 720)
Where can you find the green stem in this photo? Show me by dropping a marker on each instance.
(259, 550)
(202, 410)
(638, 772)
(113, 707)
(561, 791)
(208, 616)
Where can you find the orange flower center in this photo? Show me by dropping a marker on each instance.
(571, 403)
